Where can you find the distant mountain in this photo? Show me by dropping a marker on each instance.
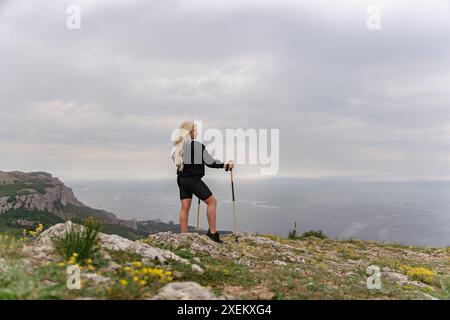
(27, 199)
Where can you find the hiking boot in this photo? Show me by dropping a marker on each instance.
(214, 237)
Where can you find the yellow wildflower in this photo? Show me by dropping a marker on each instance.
(137, 264)
(123, 282)
(135, 279)
(421, 274)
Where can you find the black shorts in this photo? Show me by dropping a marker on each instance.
(189, 186)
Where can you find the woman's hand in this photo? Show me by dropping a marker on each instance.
(229, 165)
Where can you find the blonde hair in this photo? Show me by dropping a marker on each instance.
(179, 139)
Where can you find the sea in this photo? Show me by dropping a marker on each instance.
(405, 212)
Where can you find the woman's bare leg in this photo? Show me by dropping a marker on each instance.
(211, 202)
(184, 214)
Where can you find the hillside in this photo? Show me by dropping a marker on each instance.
(190, 266)
(27, 199)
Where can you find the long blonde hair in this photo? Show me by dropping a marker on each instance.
(179, 139)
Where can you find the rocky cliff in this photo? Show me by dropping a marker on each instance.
(38, 191)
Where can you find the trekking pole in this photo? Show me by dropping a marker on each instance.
(234, 205)
(198, 212)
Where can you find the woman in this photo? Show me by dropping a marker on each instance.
(190, 157)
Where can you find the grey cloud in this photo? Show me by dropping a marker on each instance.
(344, 98)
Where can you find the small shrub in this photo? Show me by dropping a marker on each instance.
(269, 236)
(292, 234)
(136, 281)
(421, 274)
(9, 247)
(348, 253)
(317, 234)
(33, 233)
(81, 243)
(445, 285)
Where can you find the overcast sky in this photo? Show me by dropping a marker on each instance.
(102, 101)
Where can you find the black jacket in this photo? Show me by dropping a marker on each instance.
(195, 158)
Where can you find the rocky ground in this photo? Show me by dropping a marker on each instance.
(190, 266)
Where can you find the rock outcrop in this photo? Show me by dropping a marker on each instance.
(37, 191)
(185, 291)
(242, 252)
(42, 248)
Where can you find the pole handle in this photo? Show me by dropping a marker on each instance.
(234, 205)
(198, 213)
(232, 184)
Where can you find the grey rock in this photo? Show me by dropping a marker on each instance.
(279, 263)
(427, 296)
(396, 277)
(197, 269)
(403, 280)
(185, 291)
(99, 279)
(112, 267)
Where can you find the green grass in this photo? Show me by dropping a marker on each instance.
(8, 220)
(312, 233)
(184, 253)
(327, 273)
(218, 272)
(82, 213)
(16, 283)
(122, 257)
(14, 189)
(83, 243)
(292, 235)
(348, 253)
